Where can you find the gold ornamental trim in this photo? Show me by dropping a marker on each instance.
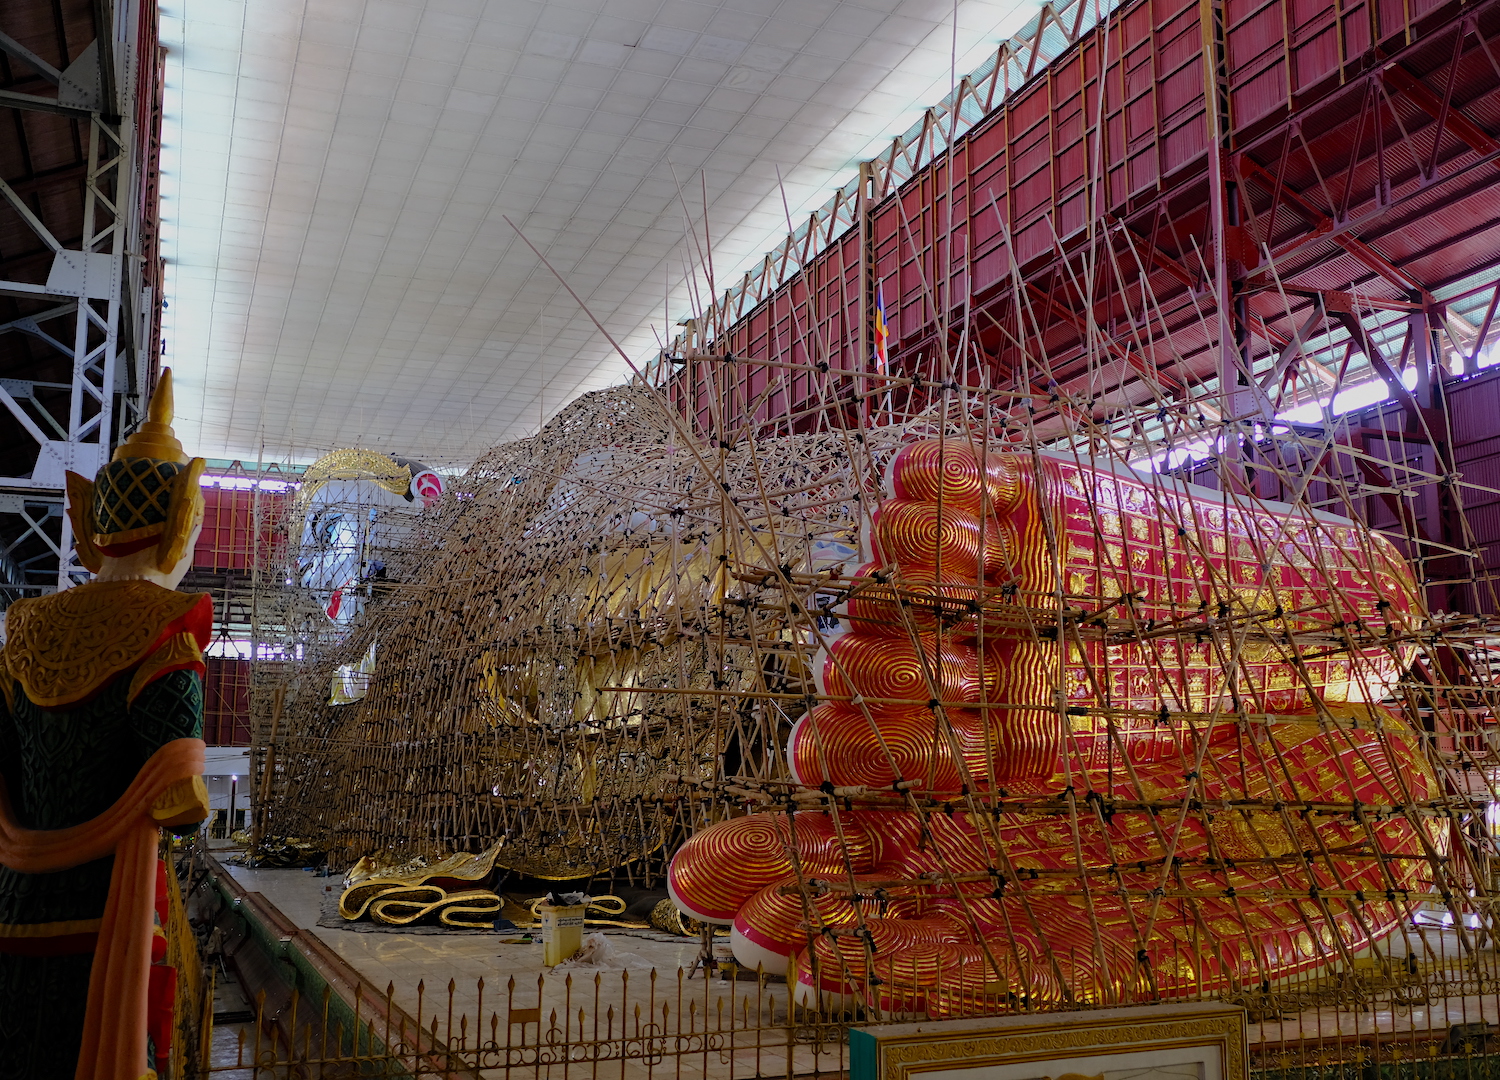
(907, 1057)
(61, 648)
(474, 909)
(178, 651)
(129, 536)
(354, 464)
(369, 879)
(401, 895)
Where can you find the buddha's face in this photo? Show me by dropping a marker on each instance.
(349, 527)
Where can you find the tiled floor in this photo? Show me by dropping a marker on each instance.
(669, 1027)
(406, 960)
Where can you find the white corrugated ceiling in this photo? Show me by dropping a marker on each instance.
(335, 173)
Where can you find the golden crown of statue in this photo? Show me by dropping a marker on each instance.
(147, 496)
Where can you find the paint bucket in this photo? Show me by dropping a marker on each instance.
(562, 931)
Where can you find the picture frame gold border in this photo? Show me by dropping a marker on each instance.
(906, 1057)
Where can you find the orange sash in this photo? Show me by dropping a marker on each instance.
(114, 1025)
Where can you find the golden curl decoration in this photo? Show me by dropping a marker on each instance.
(917, 533)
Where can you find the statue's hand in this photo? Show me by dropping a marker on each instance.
(184, 804)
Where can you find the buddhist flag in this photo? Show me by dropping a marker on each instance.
(882, 332)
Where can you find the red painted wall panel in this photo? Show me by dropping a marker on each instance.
(226, 702)
(1023, 178)
(227, 541)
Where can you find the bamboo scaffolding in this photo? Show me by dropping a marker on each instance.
(598, 644)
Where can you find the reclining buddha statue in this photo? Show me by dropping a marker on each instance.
(1088, 736)
(100, 749)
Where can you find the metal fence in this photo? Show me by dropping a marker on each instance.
(1373, 1017)
(624, 1024)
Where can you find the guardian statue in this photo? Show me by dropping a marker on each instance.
(100, 748)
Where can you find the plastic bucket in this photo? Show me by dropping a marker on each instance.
(562, 932)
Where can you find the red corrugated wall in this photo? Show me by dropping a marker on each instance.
(226, 702)
(228, 541)
(227, 545)
(1026, 172)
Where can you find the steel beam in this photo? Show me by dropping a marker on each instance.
(1324, 225)
(12, 99)
(11, 47)
(90, 285)
(1448, 117)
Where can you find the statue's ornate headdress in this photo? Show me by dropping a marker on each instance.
(148, 494)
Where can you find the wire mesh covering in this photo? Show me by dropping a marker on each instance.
(567, 639)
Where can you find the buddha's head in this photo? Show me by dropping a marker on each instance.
(141, 514)
(358, 509)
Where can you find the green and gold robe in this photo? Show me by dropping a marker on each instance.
(95, 679)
